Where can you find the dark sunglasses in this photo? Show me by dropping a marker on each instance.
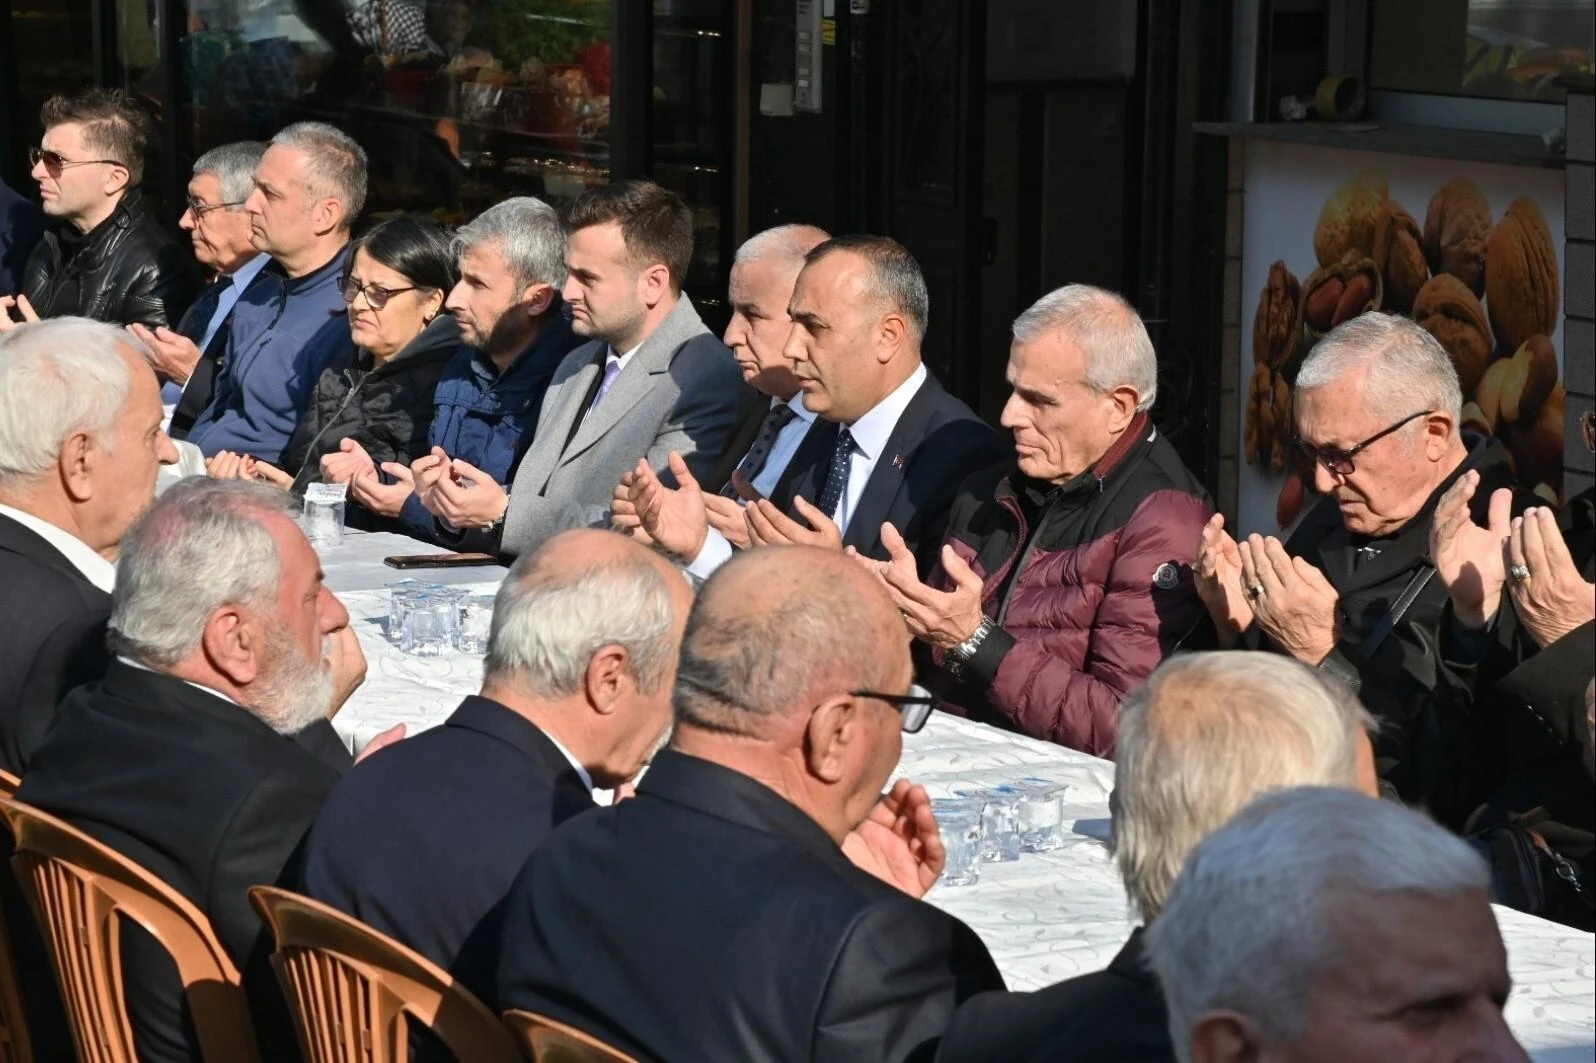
(376, 295)
(1340, 462)
(916, 706)
(54, 163)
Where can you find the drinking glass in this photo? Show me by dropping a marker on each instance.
(398, 591)
(476, 620)
(1000, 823)
(1041, 817)
(959, 822)
(429, 625)
(324, 523)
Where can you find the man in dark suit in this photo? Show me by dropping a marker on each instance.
(897, 445)
(565, 706)
(183, 757)
(70, 485)
(701, 524)
(716, 915)
(188, 357)
(1207, 733)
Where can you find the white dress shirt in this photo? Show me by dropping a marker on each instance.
(716, 550)
(212, 691)
(96, 569)
(237, 281)
(581, 772)
(870, 434)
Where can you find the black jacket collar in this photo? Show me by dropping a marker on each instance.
(157, 692)
(1131, 960)
(25, 542)
(90, 249)
(488, 717)
(730, 795)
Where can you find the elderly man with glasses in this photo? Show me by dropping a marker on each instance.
(106, 258)
(1353, 591)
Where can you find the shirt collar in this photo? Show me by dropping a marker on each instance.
(131, 663)
(622, 358)
(871, 432)
(796, 405)
(241, 276)
(96, 569)
(581, 772)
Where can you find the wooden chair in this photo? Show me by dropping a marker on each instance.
(352, 989)
(544, 1040)
(80, 891)
(14, 1044)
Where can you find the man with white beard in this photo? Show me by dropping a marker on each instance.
(184, 757)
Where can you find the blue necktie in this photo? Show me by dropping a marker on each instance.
(837, 475)
(758, 455)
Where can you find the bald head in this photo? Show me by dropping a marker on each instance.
(577, 593)
(775, 630)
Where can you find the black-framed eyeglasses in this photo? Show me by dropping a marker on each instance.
(376, 295)
(916, 705)
(1340, 462)
(199, 209)
(55, 162)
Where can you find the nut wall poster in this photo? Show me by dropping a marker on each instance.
(1472, 252)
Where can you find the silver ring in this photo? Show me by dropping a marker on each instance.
(1255, 591)
(1520, 573)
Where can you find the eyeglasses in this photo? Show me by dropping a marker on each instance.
(54, 163)
(199, 209)
(376, 295)
(1340, 462)
(916, 705)
(1587, 428)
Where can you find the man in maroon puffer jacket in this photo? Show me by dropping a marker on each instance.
(1066, 577)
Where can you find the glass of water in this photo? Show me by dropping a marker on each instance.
(429, 625)
(1042, 817)
(324, 522)
(398, 592)
(1000, 823)
(959, 822)
(476, 620)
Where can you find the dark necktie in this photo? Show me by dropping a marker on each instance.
(837, 475)
(753, 463)
(198, 318)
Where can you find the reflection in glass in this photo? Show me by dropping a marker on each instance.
(1504, 49)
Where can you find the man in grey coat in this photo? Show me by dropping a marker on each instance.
(652, 380)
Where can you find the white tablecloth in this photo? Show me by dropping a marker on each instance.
(1045, 917)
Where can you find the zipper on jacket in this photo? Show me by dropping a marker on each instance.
(1025, 555)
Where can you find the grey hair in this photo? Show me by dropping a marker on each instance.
(336, 165)
(1408, 369)
(788, 244)
(1204, 735)
(550, 619)
(202, 545)
(58, 377)
(233, 166)
(527, 231)
(1251, 925)
(1106, 328)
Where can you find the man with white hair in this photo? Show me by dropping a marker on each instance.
(1203, 736)
(80, 445)
(1065, 577)
(1323, 925)
(290, 323)
(576, 694)
(184, 757)
(1378, 406)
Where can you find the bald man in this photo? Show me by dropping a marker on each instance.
(715, 915)
(423, 842)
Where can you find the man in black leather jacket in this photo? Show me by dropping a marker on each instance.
(105, 258)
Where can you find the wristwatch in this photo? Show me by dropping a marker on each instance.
(496, 521)
(959, 656)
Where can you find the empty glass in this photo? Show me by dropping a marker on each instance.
(1041, 817)
(428, 625)
(959, 822)
(324, 522)
(476, 620)
(398, 591)
(1000, 823)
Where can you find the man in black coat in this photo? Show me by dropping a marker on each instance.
(184, 757)
(69, 489)
(716, 914)
(564, 707)
(896, 446)
(1204, 735)
(1353, 591)
(108, 259)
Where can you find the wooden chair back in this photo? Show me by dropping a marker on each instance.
(80, 891)
(545, 1040)
(354, 991)
(14, 1044)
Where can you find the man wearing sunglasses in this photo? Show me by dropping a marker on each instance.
(654, 924)
(106, 258)
(1353, 591)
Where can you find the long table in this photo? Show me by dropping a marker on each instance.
(1045, 917)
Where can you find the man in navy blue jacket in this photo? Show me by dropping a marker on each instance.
(566, 705)
(512, 264)
(291, 321)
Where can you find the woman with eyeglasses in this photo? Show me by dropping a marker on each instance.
(380, 394)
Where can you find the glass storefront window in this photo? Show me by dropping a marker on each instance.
(1502, 49)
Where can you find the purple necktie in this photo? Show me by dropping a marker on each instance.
(612, 369)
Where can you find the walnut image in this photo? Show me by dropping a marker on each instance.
(1399, 256)
(1340, 292)
(1277, 326)
(1450, 312)
(1346, 222)
(1521, 288)
(1513, 390)
(1456, 228)
(1536, 443)
(1267, 430)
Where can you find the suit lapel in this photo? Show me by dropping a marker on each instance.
(886, 479)
(806, 473)
(564, 403)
